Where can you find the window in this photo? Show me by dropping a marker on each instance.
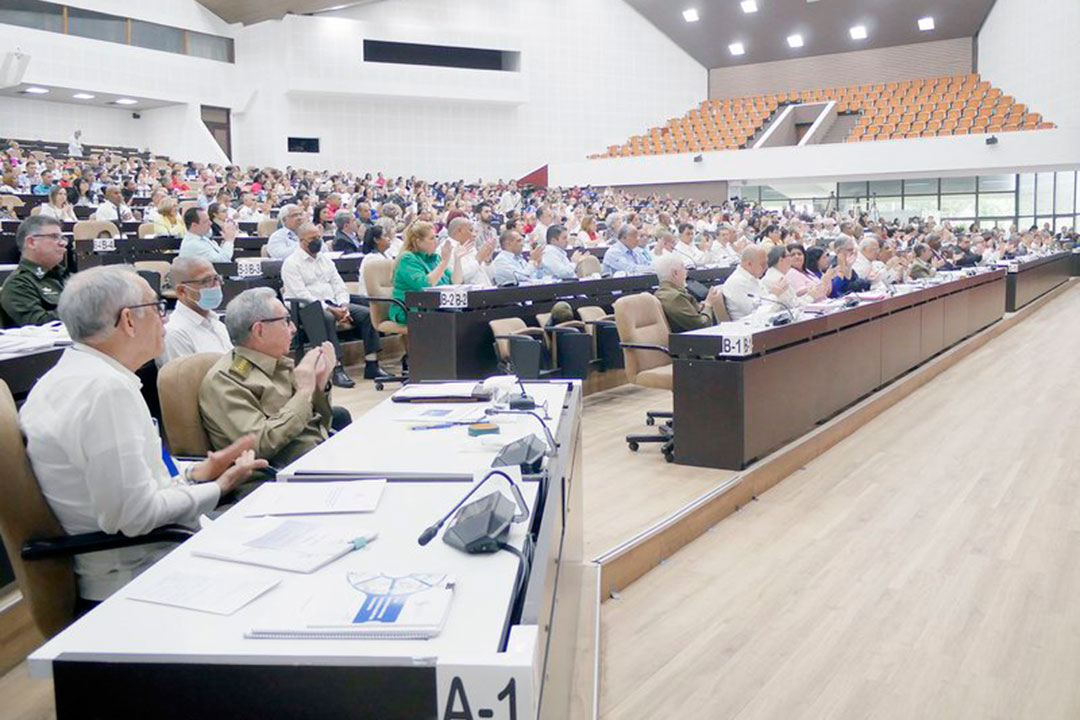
(210, 47)
(922, 186)
(926, 203)
(993, 183)
(885, 187)
(997, 205)
(889, 203)
(958, 205)
(33, 14)
(853, 189)
(958, 185)
(1044, 194)
(1066, 186)
(303, 145)
(95, 25)
(401, 53)
(1027, 194)
(157, 37)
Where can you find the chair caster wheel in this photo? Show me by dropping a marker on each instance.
(669, 456)
(378, 386)
(633, 446)
(650, 421)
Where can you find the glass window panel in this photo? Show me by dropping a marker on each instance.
(33, 14)
(853, 189)
(1064, 223)
(1027, 193)
(993, 223)
(958, 185)
(210, 47)
(994, 183)
(889, 204)
(925, 203)
(922, 186)
(958, 206)
(774, 204)
(848, 204)
(157, 37)
(1044, 194)
(750, 192)
(768, 192)
(1042, 221)
(885, 187)
(1025, 223)
(997, 204)
(1066, 187)
(99, 26)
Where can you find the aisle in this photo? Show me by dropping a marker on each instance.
(926, 566)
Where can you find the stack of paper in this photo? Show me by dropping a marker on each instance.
(213, 592)
(280, 544)
(321, 498)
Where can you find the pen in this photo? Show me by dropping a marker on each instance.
(441, 426)
(359, 543)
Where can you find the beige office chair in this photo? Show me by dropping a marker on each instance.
(90, 229)
(643, 334)
(266, 228)
(161, 269)
(519, 348)
(378, 279)
(178, 389)
(588, 265)
(36, 210)
(146, 230)
(11, 202)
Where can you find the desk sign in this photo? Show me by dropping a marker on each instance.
(104, 244)
(247, 267)
(499, 687)
(453, 299)
(736, 345)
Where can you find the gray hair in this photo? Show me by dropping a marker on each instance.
(843, 243)
(341, 219)
(184, 269)
(456, 224)
(667, 265)
(93, 299)
(283, 211)
(245, 310)
(625, 230)
(31, 226)
(775, 255)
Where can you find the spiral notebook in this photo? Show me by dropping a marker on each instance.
(371, 606)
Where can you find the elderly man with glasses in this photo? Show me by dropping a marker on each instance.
(256, 387)
(194, 327)
(31, 293)
(96, 451)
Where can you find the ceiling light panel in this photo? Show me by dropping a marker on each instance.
(35, 90)
(748, 6)
(858, 32)
(736, 49)
(83, 96)
(795, 41)
(926, 23)
(690, 15)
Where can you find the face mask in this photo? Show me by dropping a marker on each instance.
(315, 246)
(210, 298)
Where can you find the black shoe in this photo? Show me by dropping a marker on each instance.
(340, 378)
(372, 370)
(405, 364)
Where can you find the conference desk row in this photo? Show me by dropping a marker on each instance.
(1029, 280)
(507, 649)
(742, 391)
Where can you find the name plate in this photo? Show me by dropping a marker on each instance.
(455, 299)
(106, 244)
(736, 345)
(248, 268)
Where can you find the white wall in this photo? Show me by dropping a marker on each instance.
(1031, 50)
(41, 120)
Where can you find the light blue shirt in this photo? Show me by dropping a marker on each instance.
(203, 247)
(633, 262)
(509, 268)
(282, 243)
(555, 262)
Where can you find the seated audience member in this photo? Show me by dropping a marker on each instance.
(284, 241)
(31, 293)
(691, 255)
(475, 260)
(486, 233)
(625, 255)
(509, 267)
(167, 222)
(418, 266)
(742, 289)
(94, 448)
(219, 218)
(803, 275)
(46, 184)
(682, 309)
(249, 209)
(311, 276)
(58, 207)
(112, 209)
(722, 250)
(587, 235)
(150, 212)
(346, 239)
(554, 260)
(922, 265)
(194, 327)
(966, 258)
(778, 262)
(257, 389)
(846, 280)
(197, 241)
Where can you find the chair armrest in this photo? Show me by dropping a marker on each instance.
(392, 301)
(519, 337)
(69, 545)
(644, 346)
(606, 320)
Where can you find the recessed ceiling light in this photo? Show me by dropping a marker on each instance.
(690, 15)
(858, 32)
(126, 101)
(83, 96)
(795, 41)
(35, 90)
(736, 48)
(749, 6)
(926, 23)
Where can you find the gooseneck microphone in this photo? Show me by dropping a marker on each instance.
(552, 445)
(791, 315)
(431, 531)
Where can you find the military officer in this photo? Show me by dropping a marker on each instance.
(682, 310)
(31, 293)
(257, 389)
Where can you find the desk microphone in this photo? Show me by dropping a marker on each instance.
(522, 401)
(552, 445)
(791, 315)
(431, 531)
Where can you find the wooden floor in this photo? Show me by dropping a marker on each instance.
(926, 567)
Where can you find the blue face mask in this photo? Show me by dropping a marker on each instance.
(210, 298)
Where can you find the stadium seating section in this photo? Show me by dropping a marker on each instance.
(954, 105)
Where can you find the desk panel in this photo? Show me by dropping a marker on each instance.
(1035, 278)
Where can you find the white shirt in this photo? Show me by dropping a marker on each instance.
(737, 289)
(690, 255)
(720, 254)
(64, 214)
(108, 212)
(312, 278)
(509, 201)
(253, 214)
(473, 273)
(789, 297)
(96, 453)
(281, 243)
(555, 262)
(188, 333)
(74, 147)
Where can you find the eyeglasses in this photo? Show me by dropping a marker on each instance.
(161, 305)
(55, 237)
(211, 281)
(286, 318)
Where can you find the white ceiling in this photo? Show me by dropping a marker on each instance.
(64, 95)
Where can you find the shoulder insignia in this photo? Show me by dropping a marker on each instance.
(39, 272)
(241, 366)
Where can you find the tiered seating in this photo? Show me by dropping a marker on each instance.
(953, 105)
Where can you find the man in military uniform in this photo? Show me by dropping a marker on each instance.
(257, 389)
(31, 293)
(682, 309)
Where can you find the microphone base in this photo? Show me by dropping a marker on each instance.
(521, 402)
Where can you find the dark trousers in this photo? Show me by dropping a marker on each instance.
(361, 320)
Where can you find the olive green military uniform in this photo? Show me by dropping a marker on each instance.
(249, 392)
(681, 309)
(31, 293)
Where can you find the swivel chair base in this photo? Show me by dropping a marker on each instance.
(665, 434)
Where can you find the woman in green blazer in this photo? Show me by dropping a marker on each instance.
(418, 266)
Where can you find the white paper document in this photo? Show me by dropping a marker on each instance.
(281, 544)
(463, 390)
(439, 414)
(321, 498)
(211, 592)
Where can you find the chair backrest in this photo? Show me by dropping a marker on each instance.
(379, 283)
(720, 309)
(146, 230)
(90, 229)
(11, 201)
(640, 319)
(505, 326)
(591, 313)
(36, 210)
(588, 265)
(266, 228)
(48, 586)
(178, 389)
